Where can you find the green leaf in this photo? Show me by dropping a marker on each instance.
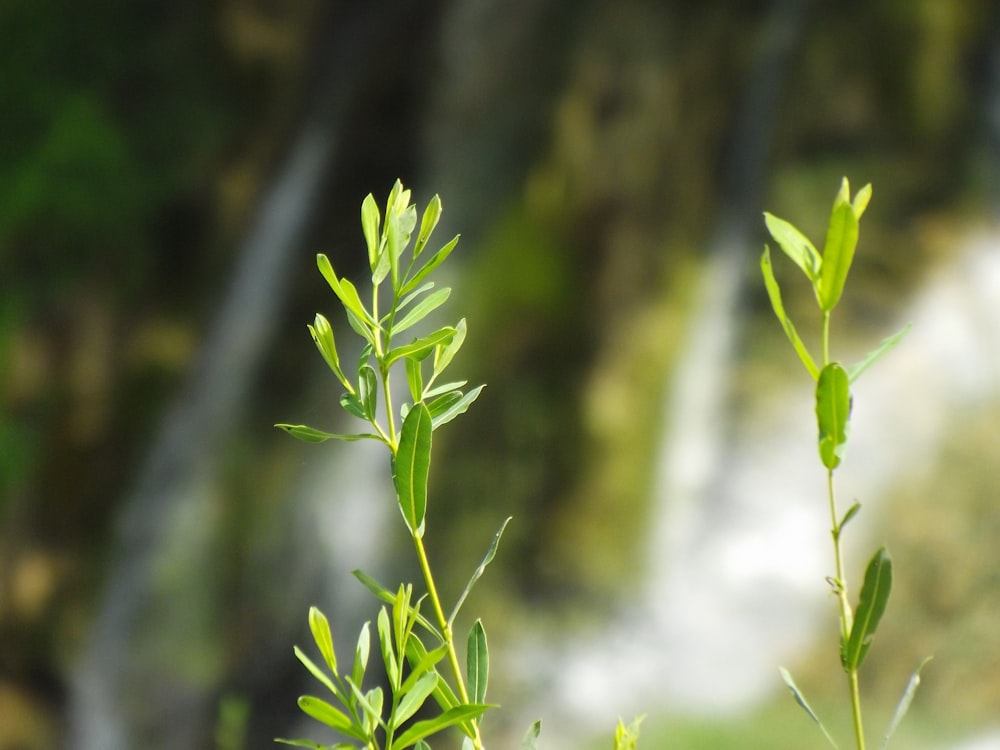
(861, 200)
(382, 593)
(435, 260)
(627, 737)
(361, 653)
(427, 224)
(388, 654)
(316, 671)
(312, 435)
(838, 253)
(851, 513)
(774, 293)
(370, 219)
(795, 245)
(445, 353)
(320, 628)
(458, 407)
(871, 606)
(451, 717)
(423, 665)
(353, 406)
(411, 467)
(443, 388)
(415, 379)
(409, 298)
(886, 345)
(904, 702)
(530, 739)
(477, 662)
(478, 572)
(415, 698)
(314, 745)
(322, 335)
(833, 409)
(323, 712)
(421, 347)
(427, 305)
(801, 700)
(444, 696)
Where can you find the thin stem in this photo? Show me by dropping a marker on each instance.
(859, 731)
(446, 633)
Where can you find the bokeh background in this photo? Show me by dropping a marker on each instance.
(169, 170)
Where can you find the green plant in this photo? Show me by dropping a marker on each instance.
(412, 644)
(827, 273)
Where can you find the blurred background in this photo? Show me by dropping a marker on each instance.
(168, 172)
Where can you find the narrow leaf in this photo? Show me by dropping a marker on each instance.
(801, 700)
(435, 260)
(411, 467)
(443, 388)
(322, 335)
(368, 391)
(388, 654)
(886, 345)
(352, 405)
(444, 696)
(478, 572)
(312, 435)
(838, 254)
(871, 606)
(323, 712)
(451, 717)
(530, 739)
(415, 379)
(386, 596)
(415, 698)
(904, 702)
(306, 743)
(851, 513)
(427, 224)
(795, 245)
(316, 672)
(477, 663)
(361, 653)
(861, 200)
(423, 665)
(416, 293)
(774, 293)
(445, 353)
(833, 409)
(421, 347)
(422, 309)
(320, 628)
(457, 407)
(369, 224)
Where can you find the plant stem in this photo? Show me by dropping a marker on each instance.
(446, 633)
(859, 731)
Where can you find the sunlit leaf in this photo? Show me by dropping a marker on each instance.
(445, 353)
(421, 347)
(315, 671)
(833, 409)
(323, 712)
(443, 388)
(861, 200)
(427, 224)
(435, 260)
(801, 700)
(774, 294)
(838, 254)
(449, 718)
(322, 335)
(795, 245)
(370, 225)
(320, 628)
(415, 698)
(530, 739)
(368, 391)
(414, 378)
(871, 606)
(458, 408)
(388, 653)
(422, 309)
(411, 467)
(361, 653)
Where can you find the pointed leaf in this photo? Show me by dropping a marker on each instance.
(427, 224)
(871, 606)
(386, 596)
(801, 700)
(904, 703)
(316, 672)
(795, 245)
(457, 407)
(314, 745)
(774, 293)
(477, 663)
(861, 200)
(838, 254)
(530, 739)
(451, 717)
(445, 353)
(421, 347)
(412, 467)
(370, 220)
(415, 379)
(388, 654)
(886, 345)
(350, 403)
(312, 435)
(437, 390)
(444, 696)
(322, 336)
(422, 309)
(323, 712)
(361, 653)
(435, 260)
(320, 628)
(423, 665)
(851, 513)
(478, 572)
(368, 391)
(415, 698)
(833, 409)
